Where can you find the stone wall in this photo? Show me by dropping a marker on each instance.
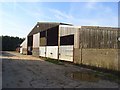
(35, 52)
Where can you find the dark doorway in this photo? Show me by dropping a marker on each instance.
(67, 40)
(52, 36)
(30, 45)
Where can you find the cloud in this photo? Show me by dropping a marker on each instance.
(90, 13)
(91, 5)
(23, 16)
(60, 14)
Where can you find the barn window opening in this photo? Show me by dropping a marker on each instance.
(43, 38)
(67, 40)
(52, 36)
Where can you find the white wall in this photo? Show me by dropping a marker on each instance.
(52, 52)
(24, 43)
(36, 40)
(21, 50)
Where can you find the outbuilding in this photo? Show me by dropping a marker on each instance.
(89, 45)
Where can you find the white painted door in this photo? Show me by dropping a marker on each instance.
(66, 53)
(42, 51)
(52, 52)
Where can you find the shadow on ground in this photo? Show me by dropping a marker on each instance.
(6, 54)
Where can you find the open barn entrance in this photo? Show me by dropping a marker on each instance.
(30, 45)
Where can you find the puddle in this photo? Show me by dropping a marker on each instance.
(83, 76)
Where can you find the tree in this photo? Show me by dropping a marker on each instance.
(10, 43)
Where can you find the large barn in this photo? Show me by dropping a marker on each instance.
(89, 45)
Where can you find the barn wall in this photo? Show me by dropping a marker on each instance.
(36, 42)
(77, 56)
(42, 51)
(70, 30)
(98, 37)
(98, 46)
(71, 36)
(105, 58)
(66, 53)
(24, 44)
(35, 52)
(23, 49)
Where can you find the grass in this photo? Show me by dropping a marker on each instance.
(55, 61)
(108, 76)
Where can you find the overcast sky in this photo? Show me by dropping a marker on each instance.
(18, 18)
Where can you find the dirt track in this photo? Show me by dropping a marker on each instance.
(21, 71)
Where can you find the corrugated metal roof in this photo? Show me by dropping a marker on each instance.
(41, 26)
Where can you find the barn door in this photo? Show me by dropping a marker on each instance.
(42, 51)
(66, 48)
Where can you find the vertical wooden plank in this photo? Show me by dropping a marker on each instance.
(116, 38)
(102, 39)
(108, 40)
(82, 38)
(105, 40)
(95, 45)
(93, 38)
(111, 39)
(85, 38)
(98, 42)
(96, 39)
(89, 38)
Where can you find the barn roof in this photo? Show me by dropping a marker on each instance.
(41, 26)
(100, 27)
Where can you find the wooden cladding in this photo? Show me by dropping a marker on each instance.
(98, 38)
(42, 34)
(49, 37)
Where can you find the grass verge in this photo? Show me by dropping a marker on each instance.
(55, 61)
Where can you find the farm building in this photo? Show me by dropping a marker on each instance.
(89, 45)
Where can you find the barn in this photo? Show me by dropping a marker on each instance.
(88, 45)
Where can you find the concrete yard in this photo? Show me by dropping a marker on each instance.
(22, 71)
